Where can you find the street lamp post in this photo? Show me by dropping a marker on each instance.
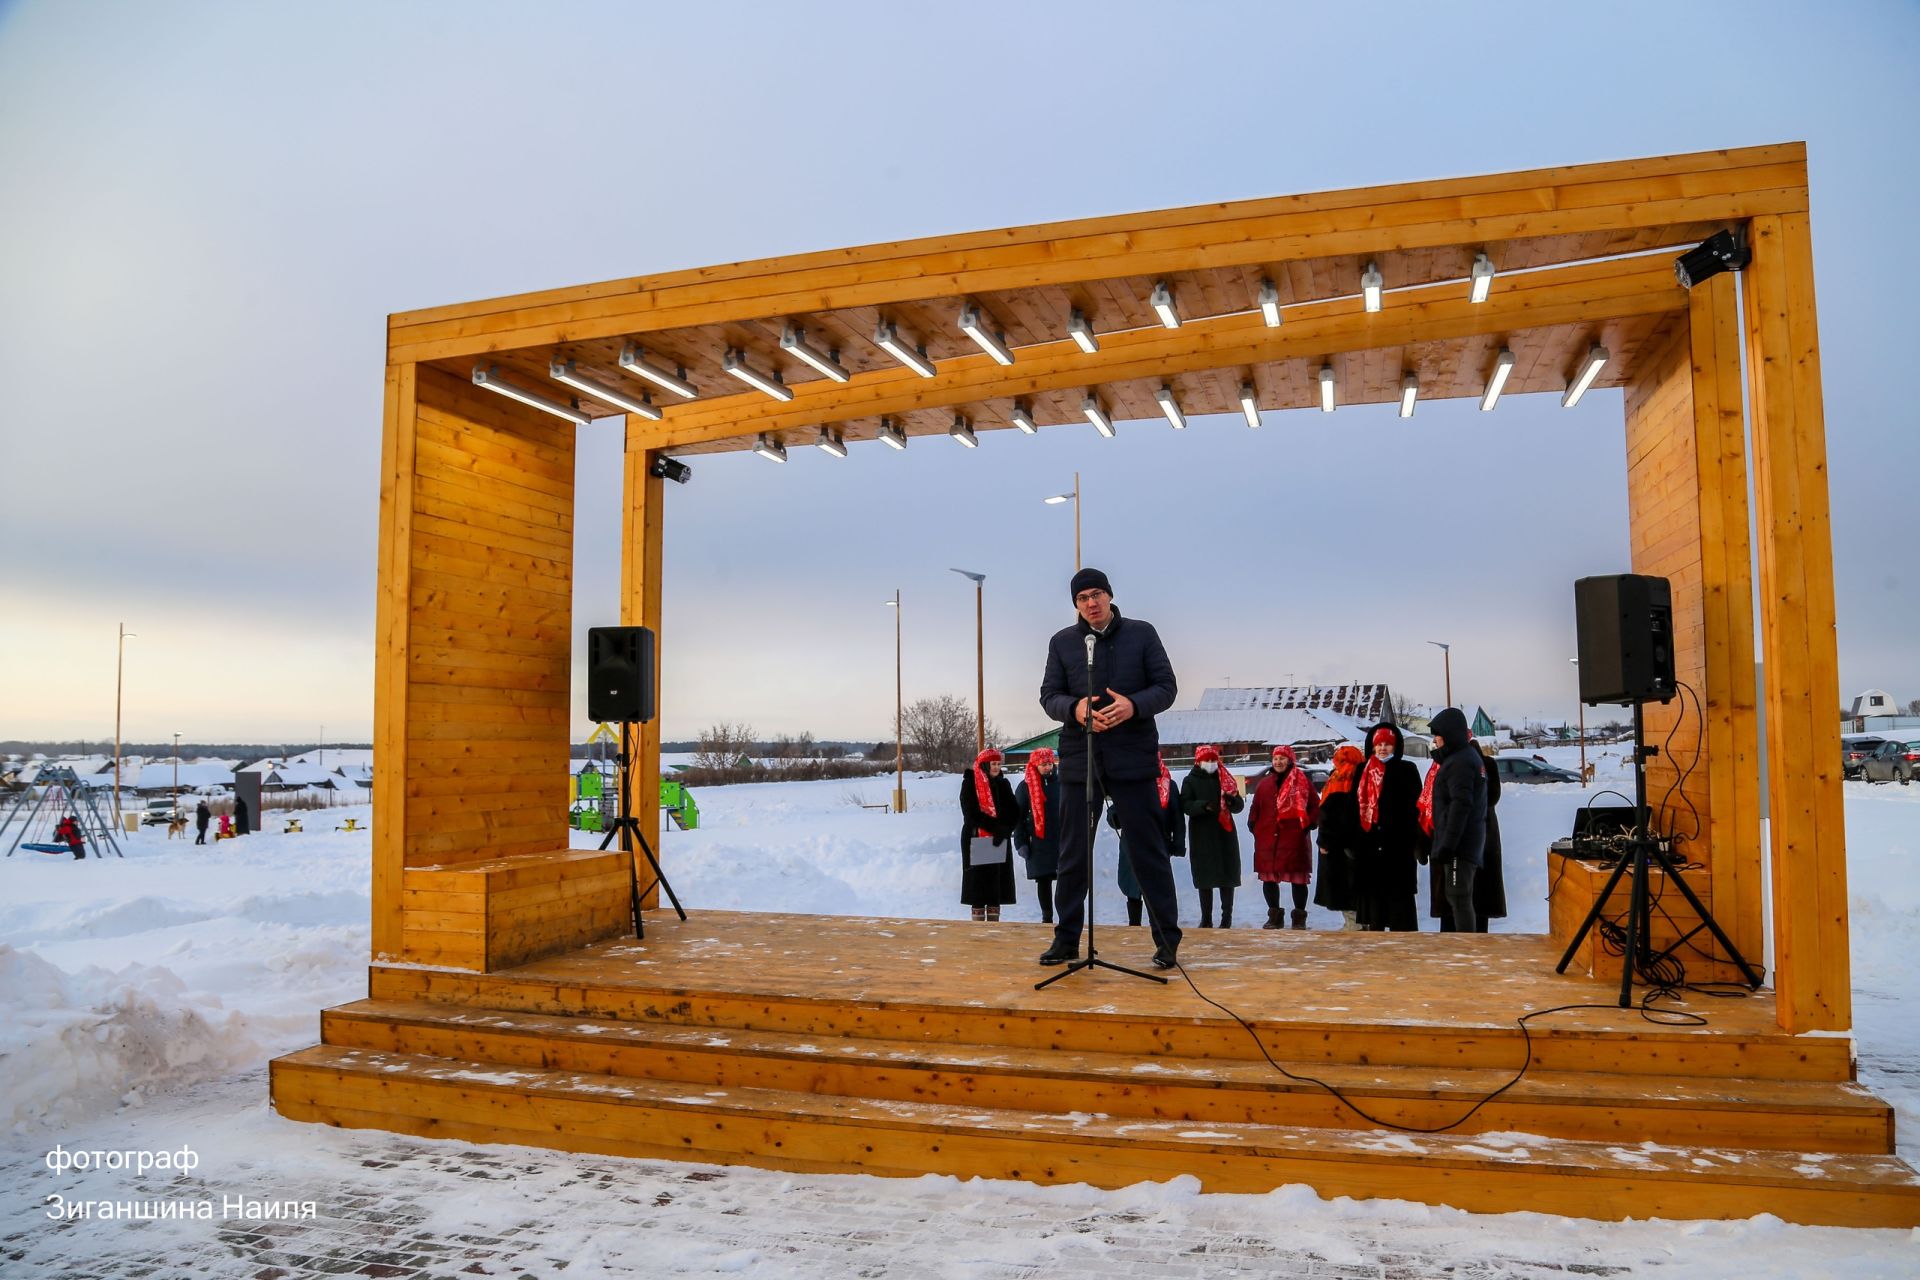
(176, 770)
(1446, 653)
(1073, 497)
(979, 657)
(1583, 723)
(899, 742)
(119, 684)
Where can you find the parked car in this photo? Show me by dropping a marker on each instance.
(1521, 769)
(1854, 750)
(159, 812)
(1892, 762)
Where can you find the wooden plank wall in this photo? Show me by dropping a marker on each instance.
(1809, 853)
(1687, 505)
(488, 645)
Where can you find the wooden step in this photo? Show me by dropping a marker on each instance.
(802, 1131)
(607, 984)
(1760, 1114)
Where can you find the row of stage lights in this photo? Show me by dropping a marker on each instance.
(977, 326)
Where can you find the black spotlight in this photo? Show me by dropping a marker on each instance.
(1721, 251)
(671, 469)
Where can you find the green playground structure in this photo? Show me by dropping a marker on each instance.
(595, 795)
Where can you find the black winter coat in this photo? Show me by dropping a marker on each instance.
(1489, 884)
(1214, 850)
(1459, 794)
(202, 816)
(1387, 874)
(1042, 853)
(1339, 850)
(1128, 659)
(991, 883)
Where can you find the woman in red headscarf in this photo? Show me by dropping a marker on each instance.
(1284, 809)
(989, 815)
(1387, 874)
(1340, 833)
(1042, 815)
(1211, 795)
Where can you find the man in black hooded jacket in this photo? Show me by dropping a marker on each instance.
(1459, 813)
(1132, 683)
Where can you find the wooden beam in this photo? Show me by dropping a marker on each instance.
(1588, 294)
(392, 616)
(1811, 962)
(1727, 185)
(642, 561)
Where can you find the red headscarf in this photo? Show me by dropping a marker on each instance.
(1229, 785)
(1291, 804)
(1036, 790)
(1371, 778)
(983, 786)
(1346, 763)
(1164, 781)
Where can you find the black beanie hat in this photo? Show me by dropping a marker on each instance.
(1086, 580)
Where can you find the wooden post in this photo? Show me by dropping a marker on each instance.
(642, 561)
(392, 618)
(899, 741)
(1812, 978)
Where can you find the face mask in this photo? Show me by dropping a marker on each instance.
(1209, 765)
(1383, 752)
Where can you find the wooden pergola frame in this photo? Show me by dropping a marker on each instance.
(475, 618)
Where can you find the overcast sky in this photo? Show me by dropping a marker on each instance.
(207, 211)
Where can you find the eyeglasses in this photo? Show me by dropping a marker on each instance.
(1087, 597)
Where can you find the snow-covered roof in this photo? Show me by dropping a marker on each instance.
(1247, 724)
(335, 757)
(1368, 702)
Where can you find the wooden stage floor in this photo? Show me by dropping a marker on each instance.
(853, 1044)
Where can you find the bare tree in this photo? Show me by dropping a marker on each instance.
(939, 733)
(722, 745)
(1913, 708)
(1404, 708)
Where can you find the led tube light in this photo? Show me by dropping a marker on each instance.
(1502, 370)
(1097, 416)
(735, 363)
(1171, 407)
(1249, 404)
(1081, 332)
(1270, 303)
(1326, 388)
(1371, 283)
(794, 342)
(976, 325)
(962, 430)
(1482, 278)
(1596, 361)
(634, 361)
(770, 449)
(887, 336)
(891, 436)
(1409, 392)
(564, 371)
(488, 376)
(1022, 417)
(832, 442)
(1163, 305)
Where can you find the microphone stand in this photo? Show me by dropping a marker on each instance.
(1095, 795)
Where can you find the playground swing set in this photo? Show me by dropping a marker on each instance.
(38, 810)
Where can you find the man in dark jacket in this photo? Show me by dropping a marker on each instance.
(202, 815)
(1459, 813)
(1132, 682)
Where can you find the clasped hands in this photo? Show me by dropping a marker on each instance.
(1116, 712)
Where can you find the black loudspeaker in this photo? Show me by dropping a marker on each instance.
(620, 674)
(1625, 625)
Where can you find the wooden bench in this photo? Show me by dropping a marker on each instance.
(502, 912)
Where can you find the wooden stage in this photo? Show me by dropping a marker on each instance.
(842, 1044)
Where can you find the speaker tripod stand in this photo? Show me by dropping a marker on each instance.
(627, 827)
(1639, 953)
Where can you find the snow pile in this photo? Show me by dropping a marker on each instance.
(76, 1043)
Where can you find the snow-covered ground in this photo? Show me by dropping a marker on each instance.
(142, 998)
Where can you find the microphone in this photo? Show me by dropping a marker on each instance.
(1090, 640)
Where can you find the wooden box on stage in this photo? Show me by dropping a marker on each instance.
(1576, 882)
